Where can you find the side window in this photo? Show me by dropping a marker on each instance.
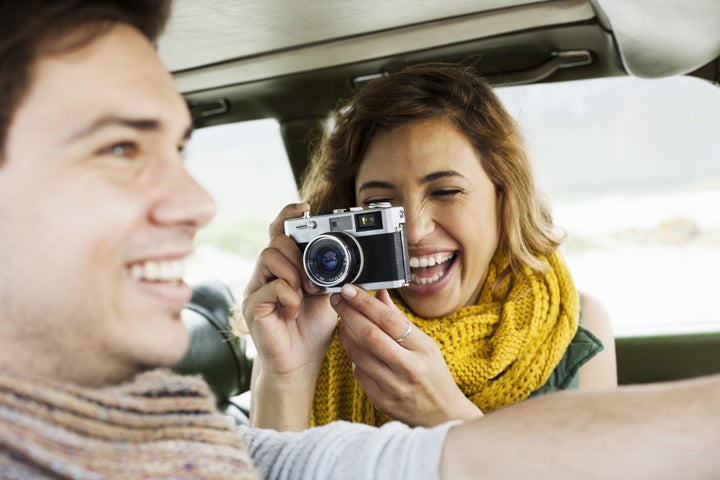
(631, 168)
(245, 168)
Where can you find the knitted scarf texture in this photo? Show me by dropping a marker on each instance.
(499, 351)
(160, 426)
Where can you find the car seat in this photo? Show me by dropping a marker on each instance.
(216, 352)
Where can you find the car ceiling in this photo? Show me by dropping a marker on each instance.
(291, 60)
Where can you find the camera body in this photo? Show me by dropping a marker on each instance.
(366, 247)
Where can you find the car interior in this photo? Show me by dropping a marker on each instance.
(216, 352)
(292, 62)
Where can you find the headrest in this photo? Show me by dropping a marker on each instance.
(215, 351)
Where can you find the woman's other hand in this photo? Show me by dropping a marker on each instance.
(399, 367)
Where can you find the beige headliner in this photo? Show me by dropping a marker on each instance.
(208, 42)
(320, 45)
(209, 31)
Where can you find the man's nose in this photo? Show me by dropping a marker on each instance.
(182, 201)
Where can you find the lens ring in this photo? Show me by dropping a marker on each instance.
(333, 259)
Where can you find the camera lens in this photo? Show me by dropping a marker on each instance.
(332, 259)
(328, 258)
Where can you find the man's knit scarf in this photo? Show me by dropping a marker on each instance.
(160, 425)
(499, 351)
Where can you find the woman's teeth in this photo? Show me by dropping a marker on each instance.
(426, 280)
(158, 271)
(428, 261)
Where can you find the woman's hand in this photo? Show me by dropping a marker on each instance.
(403, 374)
(291, 331)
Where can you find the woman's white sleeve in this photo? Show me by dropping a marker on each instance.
(348, 451)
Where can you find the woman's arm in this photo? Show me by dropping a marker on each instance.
(291, 331)
(601, 370)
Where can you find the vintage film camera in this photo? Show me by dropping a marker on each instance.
(366, 247)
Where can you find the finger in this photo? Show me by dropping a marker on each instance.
(374, 375)
(369, 339)
(380, 311)
(275, 299)
(384, 297)
(289, 247)
(357, 350)
(292, 210)
(383, 389)
(281, 259)
(276, 262)
(372, 389)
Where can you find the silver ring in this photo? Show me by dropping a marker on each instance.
(406, 334)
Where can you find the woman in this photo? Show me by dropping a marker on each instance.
(491, 315)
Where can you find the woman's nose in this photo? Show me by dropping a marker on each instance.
(419, 223)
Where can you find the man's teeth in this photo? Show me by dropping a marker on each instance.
(429, 260)
(158, 271)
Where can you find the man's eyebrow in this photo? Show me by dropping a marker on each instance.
(424, 180)
(113, 120)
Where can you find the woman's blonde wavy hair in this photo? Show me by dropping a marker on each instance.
(457, 94)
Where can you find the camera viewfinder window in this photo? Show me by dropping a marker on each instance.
(368, 221)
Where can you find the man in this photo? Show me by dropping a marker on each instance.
(97, 214)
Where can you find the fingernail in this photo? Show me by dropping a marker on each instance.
(335, 299)
(349, 291)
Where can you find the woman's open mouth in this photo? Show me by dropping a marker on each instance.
(429, 269)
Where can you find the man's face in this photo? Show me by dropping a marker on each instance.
(97, 213)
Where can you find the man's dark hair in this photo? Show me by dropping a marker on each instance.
(31, 28)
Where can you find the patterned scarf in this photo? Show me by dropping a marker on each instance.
(160, 425)
(498, 351)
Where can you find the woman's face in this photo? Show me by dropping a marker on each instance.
(451, 209)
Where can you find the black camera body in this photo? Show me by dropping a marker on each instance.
(366, 247)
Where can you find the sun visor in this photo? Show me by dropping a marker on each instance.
(659, 39)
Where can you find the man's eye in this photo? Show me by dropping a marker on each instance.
(123, 149)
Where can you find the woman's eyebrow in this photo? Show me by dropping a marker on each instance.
(424, 180)
(375, 184)
(441, 174)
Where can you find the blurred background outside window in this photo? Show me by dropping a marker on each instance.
(630, 168)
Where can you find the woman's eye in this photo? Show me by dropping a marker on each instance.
(447, 192)
(122, 149)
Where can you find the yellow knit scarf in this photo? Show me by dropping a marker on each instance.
(158, 426)
(499, 351)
